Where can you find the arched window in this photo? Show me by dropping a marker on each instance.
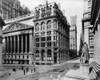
(48, 53)
(37, 53)
(42, 52)
(49, 25)
(42, 26)
(55, 24)
(36, 27)
(42, 55)
(59, 26)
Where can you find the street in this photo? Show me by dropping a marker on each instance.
(59, 70)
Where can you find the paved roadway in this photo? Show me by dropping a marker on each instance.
(59, 69)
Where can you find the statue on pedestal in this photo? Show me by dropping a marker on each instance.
(85, 54)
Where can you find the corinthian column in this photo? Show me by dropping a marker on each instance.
(22, 43)
(18, 43)
(26, 42)
(30, 43)
(14, 44)
(11, 44)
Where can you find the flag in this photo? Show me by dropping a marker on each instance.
(46, 5)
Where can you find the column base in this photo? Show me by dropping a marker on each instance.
(84, 69)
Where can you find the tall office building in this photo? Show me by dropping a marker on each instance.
(12, 8)
(87, 27)
(51, 31)
(73, 36)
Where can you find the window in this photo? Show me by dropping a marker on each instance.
(23, 57)
(37, 39)
(19, 56)
(42, 55)
(27, 56)
(49, 33)
(55, 43)
(55, 33)
(49, 53)
(37, 44)
(48, 44)
(37, 27)
(42, 26)
(36, 34)
(89, 2)
(55, 24)
(48, 25)
(86, 23)
(1, 39)
(37, 53)
(42, 33)
(42, 44)
(48, 38)
(55, 37)
(42, 38)
(90, 30)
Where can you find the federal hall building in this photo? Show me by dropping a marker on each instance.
(46, 42)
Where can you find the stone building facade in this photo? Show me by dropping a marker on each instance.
(12, 8)
(2, 23)
(51, 31)
(95, 21)
(18, 50)
(87, 27)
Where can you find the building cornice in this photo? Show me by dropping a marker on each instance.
(94, 10)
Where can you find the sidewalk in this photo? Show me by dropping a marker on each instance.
(76, 60)
(17, 77)
(78, 74)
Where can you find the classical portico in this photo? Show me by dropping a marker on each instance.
(18, 40)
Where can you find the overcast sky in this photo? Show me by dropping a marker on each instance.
(71, 7)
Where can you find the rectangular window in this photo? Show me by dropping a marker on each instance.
(49, 33)
(42, 38)
(42, 44)
(55, 37)
(42, 33)
(48, 38)
(36, 34)
(55, 43)
(48, 44)
(37, 39)
(1, 39)
(54, 32)
(37, 44)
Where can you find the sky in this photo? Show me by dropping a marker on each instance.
(71, 7)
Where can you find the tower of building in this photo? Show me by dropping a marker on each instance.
(73, 36)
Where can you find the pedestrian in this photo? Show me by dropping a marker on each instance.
(34, 69)
(31, 70)
(24, 72)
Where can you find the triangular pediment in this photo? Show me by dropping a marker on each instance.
(16, 26)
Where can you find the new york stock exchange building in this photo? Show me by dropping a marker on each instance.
(41, 39)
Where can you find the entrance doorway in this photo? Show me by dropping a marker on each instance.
(55, 58)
